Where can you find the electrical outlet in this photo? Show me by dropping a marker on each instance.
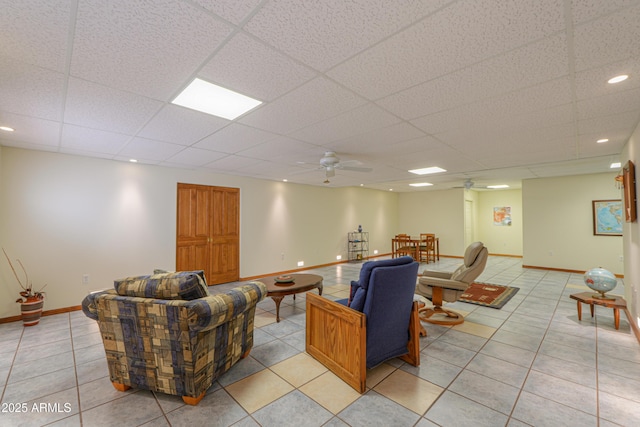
(85, 279)
(282, 256)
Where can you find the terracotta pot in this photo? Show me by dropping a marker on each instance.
(31, 310)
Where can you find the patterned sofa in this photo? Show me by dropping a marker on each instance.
(166, 332)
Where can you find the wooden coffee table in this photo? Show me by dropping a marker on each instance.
(616, 303)
(301, 283)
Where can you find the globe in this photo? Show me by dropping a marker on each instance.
(600, 280)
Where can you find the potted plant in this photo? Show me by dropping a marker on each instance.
(31, 302)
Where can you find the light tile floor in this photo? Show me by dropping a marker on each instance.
(530, 363)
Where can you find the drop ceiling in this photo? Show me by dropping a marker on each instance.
(492, 90)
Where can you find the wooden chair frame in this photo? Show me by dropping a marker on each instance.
(402, 246)
(336, 337)
(427, 251)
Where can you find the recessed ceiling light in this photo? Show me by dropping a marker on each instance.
(215, 100)
(285, 180)
(618, 79)
(421, 184)
(602, 141)
(7, 129)
(498, 186)
(133, 160)
(615, 165)
(425, 171)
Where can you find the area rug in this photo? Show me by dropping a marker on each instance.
(488, 295)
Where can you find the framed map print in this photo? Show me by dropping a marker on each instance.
(607, 217)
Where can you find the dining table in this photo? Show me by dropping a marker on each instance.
(414, 243)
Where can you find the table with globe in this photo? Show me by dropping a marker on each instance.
(602, 281)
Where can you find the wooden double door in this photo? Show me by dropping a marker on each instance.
(208, 231)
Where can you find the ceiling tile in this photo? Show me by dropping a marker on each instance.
(587, 10)
(100, 107)
(313, 102)
(30, 90)
(372, 141)
(180, 125)
(460, 35)
(235, 138)
(232, 163)
(348, 124)
(610, 104)
(92, 140)
(604, 124)
(520, 68)
(322, 34)
(194, 157)
(35, 32)
(265, 76)
(151, 51)
(30, 130)
(146, 149)
(281, 149)
(231, 10)
(609, 39)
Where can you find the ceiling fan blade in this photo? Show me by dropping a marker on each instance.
(354, 168)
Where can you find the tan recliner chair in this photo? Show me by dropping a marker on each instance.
(439, 286)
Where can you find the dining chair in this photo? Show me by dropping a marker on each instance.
(402, 246)
(427, 248)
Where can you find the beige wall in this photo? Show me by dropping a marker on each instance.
(503, 240)
(558, 223)
(631, 239)
(65, 216)
(442, 212)
(439, 212)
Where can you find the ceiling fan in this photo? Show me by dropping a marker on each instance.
(330, 162)
(469, 184)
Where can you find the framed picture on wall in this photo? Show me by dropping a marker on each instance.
(607, 217)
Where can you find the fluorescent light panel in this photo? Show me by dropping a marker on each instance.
(421, 184)
(215, 100)
(615, 165)
(425, 171)
(498, 186)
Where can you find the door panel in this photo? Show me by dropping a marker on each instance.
(208, 231)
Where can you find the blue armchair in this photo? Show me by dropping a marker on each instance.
(378, 322)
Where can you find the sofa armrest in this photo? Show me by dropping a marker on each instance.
(214, 310)
(89, 303)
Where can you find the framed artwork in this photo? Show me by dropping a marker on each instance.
(607, 217)
(629, 191)
(502, 215)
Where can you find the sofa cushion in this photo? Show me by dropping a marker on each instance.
(182, 285)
